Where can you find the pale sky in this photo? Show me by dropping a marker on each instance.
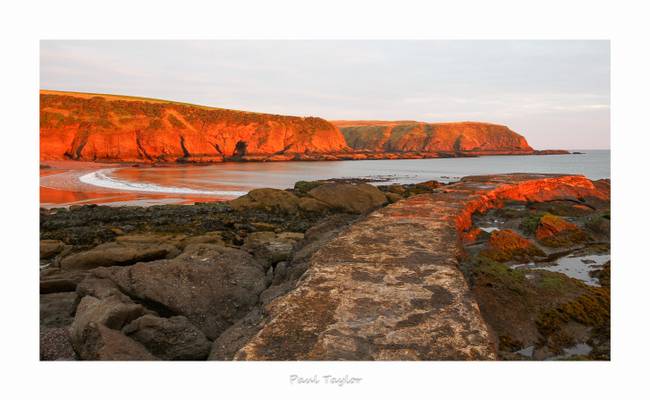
(555, 93)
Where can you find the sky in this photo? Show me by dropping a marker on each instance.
(555, 93)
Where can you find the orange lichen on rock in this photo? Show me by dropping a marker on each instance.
(507, 245)
(481, 193)
(554, 231)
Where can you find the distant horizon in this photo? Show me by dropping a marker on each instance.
(533, 87)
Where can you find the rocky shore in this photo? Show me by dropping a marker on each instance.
(336, 270)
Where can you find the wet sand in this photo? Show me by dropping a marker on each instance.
(60, 187)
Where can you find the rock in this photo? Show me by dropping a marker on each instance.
(104, 344)
(263, 226)
(430, 185)
(56, 309)
(274, 291)
(270, 248)
(50, 248)
(353, 198)
(267, 199)
(92, 314)
(312, 205)
(393, 197)
(209, 237)
(279, 272)
(554, 231)
(269, 276)
(396, 188)
(100, 288)
(211, 285)
(172, 338)
(389, 286)
(295, 236)
(386, 288)
(55, 345)
(507, 245)
(57, 285)
(121, 252)
(227, 344)
(303, 187)
(111, 311)
(475, 235)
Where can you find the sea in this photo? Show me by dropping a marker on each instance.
(118, 185)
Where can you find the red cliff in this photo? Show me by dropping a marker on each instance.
(458, 138)
(89, 127)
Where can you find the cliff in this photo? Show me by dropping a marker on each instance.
(457, 138)
(90, 127)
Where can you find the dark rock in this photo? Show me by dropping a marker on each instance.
(231, 340)
(211, 285)
(111, 311)
(353, 198)
(50, 248)
(57, 309)
(105, 344)
(312, 205)
(279, 272)
(267, 199)
(393, 197)
(125, 251)
(57, 285)
(270, 248)
(172, 338)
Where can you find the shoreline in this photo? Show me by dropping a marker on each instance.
(314, 157)
(291, 247)
(184, 183)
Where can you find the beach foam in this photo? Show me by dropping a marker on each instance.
(101, 178)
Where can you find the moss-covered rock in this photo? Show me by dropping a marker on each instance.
(554, 231)
(508, 245)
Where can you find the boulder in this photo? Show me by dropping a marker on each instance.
(92, 314)
(120, 252)
(56, 309)
(111, 311)
(303, 187)
(353, 198)
(174, 338)
(312, 205)
(50, 248)
(270, 248)
(227, 344)
(209, 237)
(554, 231)
(104, 344)
(268, 200)
(211, 285)
(393, 197)
(507, 245)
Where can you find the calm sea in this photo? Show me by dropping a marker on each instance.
(228, 180)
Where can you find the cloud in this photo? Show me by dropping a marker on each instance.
(545, 88)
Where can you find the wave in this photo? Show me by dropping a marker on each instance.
(101, 178)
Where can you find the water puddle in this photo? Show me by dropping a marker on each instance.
(580, 349)
(578, 267)
(526, 351)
